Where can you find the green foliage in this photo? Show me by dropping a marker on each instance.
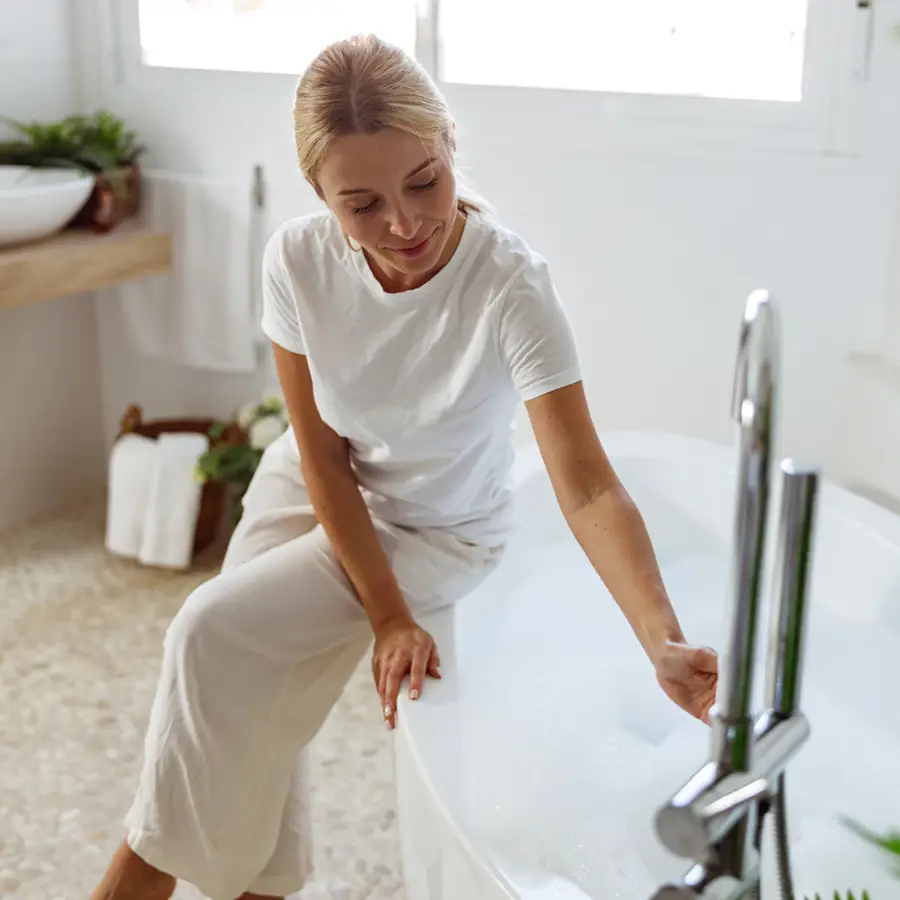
(889, 842)
(838, 896)
(232, 463)
(236, 447)
(99, 142)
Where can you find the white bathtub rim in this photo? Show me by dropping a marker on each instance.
(864, 513)
(877, 520)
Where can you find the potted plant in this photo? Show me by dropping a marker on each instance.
(233, 463)
(99, 144)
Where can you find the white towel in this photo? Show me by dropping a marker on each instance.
(173, 503)
(205, 312)
(131, 463)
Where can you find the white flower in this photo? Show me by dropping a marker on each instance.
(265, 430)
(273, 402)
(246, 415)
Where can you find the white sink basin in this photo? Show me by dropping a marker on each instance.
(35, 203)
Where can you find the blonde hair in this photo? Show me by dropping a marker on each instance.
(363, 84)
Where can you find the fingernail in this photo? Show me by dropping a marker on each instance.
(387, 724)
(387, 711)
(413, 694)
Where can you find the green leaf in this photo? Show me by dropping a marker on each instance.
(98, 158)
(838, 896)
(890, 842)
(97, 142)
(230, 463)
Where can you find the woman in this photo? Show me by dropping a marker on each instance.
(406, 327)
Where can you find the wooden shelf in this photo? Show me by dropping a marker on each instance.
(75, 261)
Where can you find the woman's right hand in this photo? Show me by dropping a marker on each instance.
(402, 648)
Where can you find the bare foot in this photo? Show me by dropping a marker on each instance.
(130, 878)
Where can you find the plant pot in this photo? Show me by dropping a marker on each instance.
(116, 196)
(213, 496)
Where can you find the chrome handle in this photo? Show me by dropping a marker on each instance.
(709, 806)
(790, 591)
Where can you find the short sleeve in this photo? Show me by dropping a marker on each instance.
(280, 321)
(536, 339)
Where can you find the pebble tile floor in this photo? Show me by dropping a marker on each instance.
(80, 644)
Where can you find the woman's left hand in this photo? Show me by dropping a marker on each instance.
(689, 676)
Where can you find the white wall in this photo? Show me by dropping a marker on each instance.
(51, 449)
(654, 252)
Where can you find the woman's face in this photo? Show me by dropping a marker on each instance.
(396, 197)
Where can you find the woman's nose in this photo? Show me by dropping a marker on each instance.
(403, 224)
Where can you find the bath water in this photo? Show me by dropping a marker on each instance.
(575, 746)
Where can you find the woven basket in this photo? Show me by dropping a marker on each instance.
(213, 494)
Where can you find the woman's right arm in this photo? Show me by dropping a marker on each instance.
(334, 491)
(401, 647)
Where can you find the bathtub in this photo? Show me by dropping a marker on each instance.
(534, 768)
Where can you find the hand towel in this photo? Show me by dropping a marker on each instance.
(204, 313)
(131, 462)
(173, 503)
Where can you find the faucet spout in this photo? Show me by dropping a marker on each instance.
(715, 817)
(753, 405)
(756, 366)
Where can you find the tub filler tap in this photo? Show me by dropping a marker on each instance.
(715, 818)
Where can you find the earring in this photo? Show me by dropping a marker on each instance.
(350, 243)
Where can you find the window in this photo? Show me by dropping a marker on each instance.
(279, 36)
(668, 75)
(735, 49)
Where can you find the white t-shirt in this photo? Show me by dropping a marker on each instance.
(424, 384)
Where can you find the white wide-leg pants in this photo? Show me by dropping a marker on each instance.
(252, 665)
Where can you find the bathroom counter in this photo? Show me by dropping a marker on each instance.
(75, 261)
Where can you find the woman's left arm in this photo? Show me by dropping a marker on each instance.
(611, 531)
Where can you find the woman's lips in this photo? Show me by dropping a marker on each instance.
(416, 250)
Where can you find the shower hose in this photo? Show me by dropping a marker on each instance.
(777, 805)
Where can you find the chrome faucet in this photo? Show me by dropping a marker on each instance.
(716, 818)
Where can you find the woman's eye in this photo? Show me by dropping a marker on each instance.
(359, 210)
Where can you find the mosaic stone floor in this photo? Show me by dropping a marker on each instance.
(80, 641)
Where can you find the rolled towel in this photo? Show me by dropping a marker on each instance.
(173, 503)
(131, 464)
